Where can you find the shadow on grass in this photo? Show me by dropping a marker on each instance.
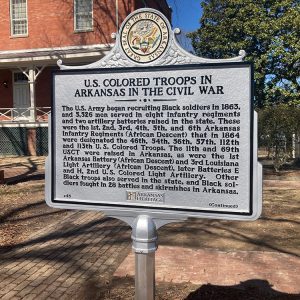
(24, 178)
(122, 288)
(68, 231)
(10, 214)
(247, 290)
(23, 172)
(197, 230)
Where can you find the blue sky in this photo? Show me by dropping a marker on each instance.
(186, 14)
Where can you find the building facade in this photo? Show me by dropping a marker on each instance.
(34, 34)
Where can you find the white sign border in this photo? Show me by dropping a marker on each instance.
(163, 213)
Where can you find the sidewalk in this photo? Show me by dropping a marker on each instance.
(64, 260)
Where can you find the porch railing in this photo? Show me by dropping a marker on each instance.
(24, 114)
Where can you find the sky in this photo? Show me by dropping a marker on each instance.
(186, 14)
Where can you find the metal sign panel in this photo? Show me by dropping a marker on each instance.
(162, 139)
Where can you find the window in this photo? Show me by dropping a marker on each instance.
(18, 17)
(20, 77)
(83, 15)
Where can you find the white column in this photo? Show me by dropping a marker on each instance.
(31, 77)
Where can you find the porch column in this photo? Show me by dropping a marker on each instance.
(31, 78)
(31, 141)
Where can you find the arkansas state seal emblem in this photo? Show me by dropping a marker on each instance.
(144, 36)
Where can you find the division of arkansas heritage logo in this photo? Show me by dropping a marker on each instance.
(146, 196)
(144, 37)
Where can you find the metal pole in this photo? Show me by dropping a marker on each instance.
(144, 237)
(145, 276)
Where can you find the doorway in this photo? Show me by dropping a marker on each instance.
(21, 96)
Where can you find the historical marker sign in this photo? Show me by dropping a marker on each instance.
(174, 139)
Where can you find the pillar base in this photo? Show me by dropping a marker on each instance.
(31, 141)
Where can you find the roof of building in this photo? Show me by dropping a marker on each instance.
(53, 54)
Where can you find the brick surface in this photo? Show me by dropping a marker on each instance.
(9, 295)
(57, 260)
(177, 265)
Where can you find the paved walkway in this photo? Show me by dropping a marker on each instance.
(69, 260)
(207, 266)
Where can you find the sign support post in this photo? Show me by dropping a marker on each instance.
(144, 237)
